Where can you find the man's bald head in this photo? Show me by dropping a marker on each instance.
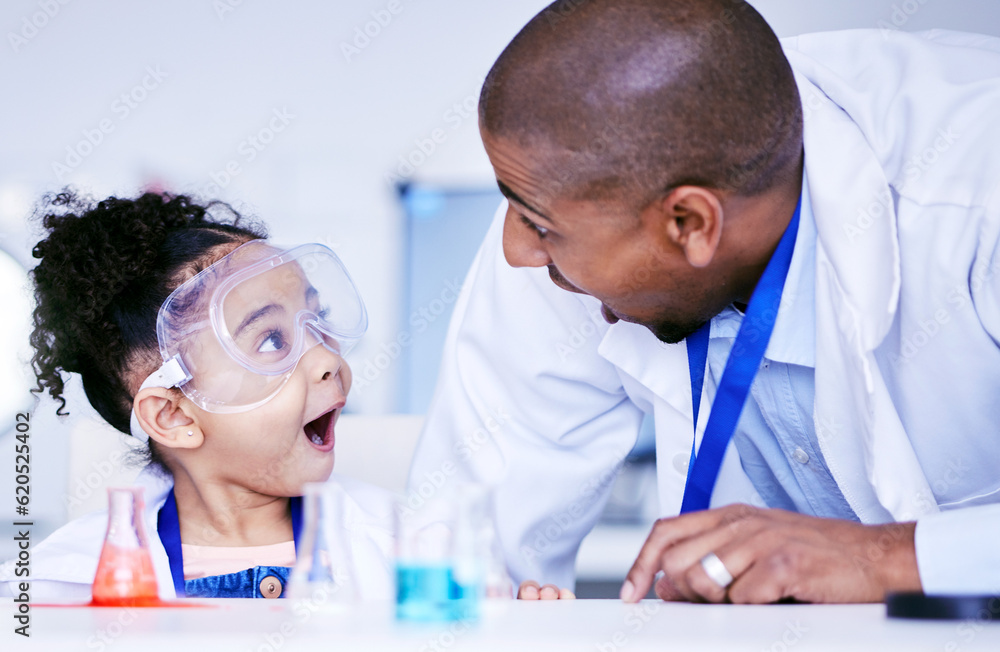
(625, 99)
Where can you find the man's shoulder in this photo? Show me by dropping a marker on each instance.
(888, 38)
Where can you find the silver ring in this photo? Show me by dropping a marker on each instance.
(716, 570)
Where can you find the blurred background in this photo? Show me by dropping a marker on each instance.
(350, 123)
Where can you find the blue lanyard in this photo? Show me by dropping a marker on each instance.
(741, 367)
(169, 528)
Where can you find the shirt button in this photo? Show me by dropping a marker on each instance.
(681, 462)
(270, 587)
(801, 456)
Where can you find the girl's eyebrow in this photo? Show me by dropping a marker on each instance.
(256, 315)
(512, 196)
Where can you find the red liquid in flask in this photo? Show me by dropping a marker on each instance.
(125, 573)
(125, 577)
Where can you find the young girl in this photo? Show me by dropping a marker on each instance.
(223, 354)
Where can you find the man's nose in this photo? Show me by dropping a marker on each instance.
(521, 245)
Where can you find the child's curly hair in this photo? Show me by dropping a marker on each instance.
(105, 268)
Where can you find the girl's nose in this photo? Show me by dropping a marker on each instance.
(322, 359)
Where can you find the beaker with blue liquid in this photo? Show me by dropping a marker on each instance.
(445, 555)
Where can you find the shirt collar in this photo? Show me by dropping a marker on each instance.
(793, 340)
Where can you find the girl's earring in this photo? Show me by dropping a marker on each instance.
(190, 433)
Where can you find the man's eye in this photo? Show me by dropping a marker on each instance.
(540, 230)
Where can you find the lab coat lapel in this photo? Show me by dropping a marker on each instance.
(857, 293)
(662, 370)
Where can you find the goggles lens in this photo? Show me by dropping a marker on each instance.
(241, 326)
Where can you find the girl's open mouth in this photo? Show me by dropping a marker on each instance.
(319, 431)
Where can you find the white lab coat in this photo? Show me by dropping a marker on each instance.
(538, 395)
(64, 564)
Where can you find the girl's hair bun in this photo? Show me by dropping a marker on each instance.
(105, 267)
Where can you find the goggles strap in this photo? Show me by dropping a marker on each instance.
(170, 374)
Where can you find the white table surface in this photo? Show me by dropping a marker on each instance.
(603, 625)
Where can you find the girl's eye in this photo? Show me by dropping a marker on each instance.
(323, 312)
(272, 342)
(540, 230)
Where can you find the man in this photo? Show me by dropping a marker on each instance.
(659, 158)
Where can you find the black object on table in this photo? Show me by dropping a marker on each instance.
(943, 607)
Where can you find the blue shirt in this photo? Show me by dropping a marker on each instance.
(776, 434)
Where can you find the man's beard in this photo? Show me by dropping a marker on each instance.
(671, 332)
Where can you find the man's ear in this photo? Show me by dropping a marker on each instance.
(161, 414)
(693, 221)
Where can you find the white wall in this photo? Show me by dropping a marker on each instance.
(224, 74)
(226, 70)
(323, 177)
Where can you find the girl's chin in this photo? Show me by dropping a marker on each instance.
(320, 474)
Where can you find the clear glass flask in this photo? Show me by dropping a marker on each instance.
(324, 567)
(125, 573)
(447, 559)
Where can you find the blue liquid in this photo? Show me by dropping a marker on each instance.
(429, 593)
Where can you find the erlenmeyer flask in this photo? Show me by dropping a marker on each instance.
(324, 566)
(446, 555)
(125, 570)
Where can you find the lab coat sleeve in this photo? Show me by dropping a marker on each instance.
(860, 71)
(953, 162)
(957, 551)
(525, 403)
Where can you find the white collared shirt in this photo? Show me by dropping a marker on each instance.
(776, 434)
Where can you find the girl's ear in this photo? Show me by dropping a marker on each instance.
(163, 417)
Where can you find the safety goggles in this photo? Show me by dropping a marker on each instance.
(231, 336)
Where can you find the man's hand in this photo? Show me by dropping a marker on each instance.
(772, 555)
(530, 590)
